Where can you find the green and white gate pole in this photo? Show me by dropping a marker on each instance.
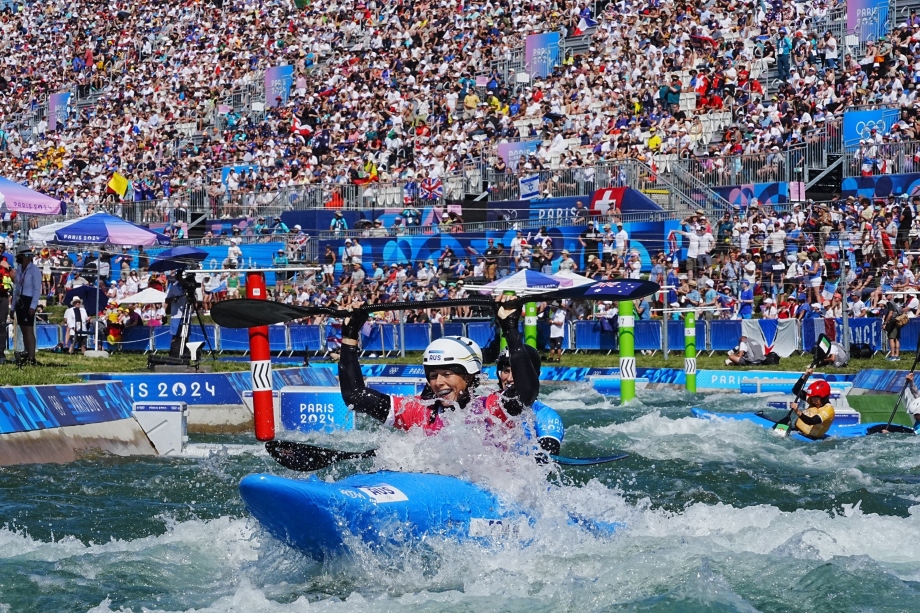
(627, 339)
(689, 350)
(530, 324)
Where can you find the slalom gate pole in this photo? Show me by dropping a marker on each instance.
(261, 366)
(627, 339)
(530, 324)
(689, 350)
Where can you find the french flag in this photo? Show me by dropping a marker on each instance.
(583, 25)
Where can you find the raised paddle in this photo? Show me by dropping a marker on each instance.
(900, 429)
(249, 313)
(822, 350)
(307, 458)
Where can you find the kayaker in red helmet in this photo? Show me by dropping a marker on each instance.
(815, 420)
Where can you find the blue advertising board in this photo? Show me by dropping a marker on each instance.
(211, 388)
(315, 409)
(858, 125)
(23, 409)
(192, 388)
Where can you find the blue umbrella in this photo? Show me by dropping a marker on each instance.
(98, 229)
(526, 280)
(91, 296)
(177, 257)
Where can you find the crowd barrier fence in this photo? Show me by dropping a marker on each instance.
(588, 335)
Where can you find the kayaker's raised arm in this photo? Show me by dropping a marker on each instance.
(526, 387)
(351, 381)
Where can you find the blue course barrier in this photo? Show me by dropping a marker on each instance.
(648, 336)
(724, 334)
(869, 330)
(195, 336)
(277, 339)
(449, 329)
(234, 339)
(136, 338)
(47, 336)
(481, 332)
(381, 338)
(543, 330)
(909, 335)
(161, 338)
(676, 336)
(305, 338)
(588, 335)
(417, 336)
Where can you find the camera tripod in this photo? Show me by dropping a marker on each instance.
(185, 326)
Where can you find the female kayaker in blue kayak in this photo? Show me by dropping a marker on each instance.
(548, 426)
(452, 367)
(814, 421)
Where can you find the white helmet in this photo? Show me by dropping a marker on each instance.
(454, 351)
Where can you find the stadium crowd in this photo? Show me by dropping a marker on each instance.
(388, 90)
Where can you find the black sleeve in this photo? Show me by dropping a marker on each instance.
(357, 395)
(798, 390)
(550, 445)
(526, 386)
(811, 420)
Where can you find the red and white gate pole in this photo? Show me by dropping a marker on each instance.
(261, 366)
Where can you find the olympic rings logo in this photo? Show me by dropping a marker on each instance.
(864, 128)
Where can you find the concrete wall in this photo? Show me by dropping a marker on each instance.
(123, 437)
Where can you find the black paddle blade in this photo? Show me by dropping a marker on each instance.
(250, 313)
(567, 461)
(616, 290)
(822, 349)
(306, 458)
(890, 429)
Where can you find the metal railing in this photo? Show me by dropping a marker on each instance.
(491, 226)
(887, 158)
(560, 183)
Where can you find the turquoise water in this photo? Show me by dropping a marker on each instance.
(720, 516)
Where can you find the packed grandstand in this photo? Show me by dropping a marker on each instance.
(168, 111)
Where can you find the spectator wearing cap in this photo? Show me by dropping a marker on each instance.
(889, 313)
(589, 240)
(26, 294)
(280, 262)
(354, 252)
(746, 300)
(378, 231)
(710, 300)
(76, 322)
(338, 225)
(621, 239)
(692, 234)
(768, 309)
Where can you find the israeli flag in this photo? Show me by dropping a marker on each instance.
(530, 187)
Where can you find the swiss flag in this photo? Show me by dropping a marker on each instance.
(606, 199)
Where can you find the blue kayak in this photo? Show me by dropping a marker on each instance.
(383, 508)
(386, 509)
(835, 432)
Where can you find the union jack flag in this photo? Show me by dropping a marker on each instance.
(431, 189)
